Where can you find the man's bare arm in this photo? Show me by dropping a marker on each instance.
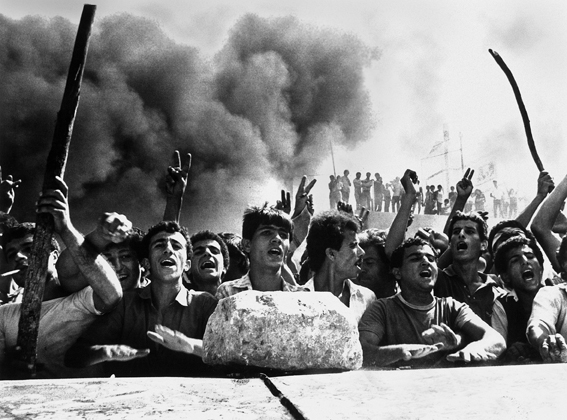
(175, 185)
(98, 272)
(544, 183)
(376, 356)
(80, 356)
(542, 225)
(487, 344)
(397, 232)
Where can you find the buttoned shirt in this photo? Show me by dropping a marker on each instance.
(136, 315)
(360, 297)
(242, 284)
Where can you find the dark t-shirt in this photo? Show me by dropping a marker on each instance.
(394, 321)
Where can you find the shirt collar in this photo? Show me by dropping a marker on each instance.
(182, 296)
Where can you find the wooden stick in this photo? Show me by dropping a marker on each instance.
(37, 271)
(522, 107)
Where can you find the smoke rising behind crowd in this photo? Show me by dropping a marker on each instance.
(263, 108)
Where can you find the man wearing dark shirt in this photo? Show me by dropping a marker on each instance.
(125, 338)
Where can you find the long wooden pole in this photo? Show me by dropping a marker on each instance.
(56, 161)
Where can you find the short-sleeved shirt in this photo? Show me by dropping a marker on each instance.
(130, 321)
(549, 310)
(360, 297)
(484, 299)
(395, 321)
(61, 322)
(242, 284)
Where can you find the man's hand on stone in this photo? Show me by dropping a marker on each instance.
(175, 340)
(553, 349)
(417, 351)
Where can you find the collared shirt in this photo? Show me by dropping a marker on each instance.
(61, 322)
(136, 315)
(242, 284)
(549, 311)
(360, 297)
(482, 301)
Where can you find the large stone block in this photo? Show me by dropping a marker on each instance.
(283, 330)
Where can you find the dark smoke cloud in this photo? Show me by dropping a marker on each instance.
(263, 108)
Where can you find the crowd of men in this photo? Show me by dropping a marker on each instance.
(375, 195)
(131, 303)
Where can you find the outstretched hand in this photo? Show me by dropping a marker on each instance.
(175, 340)
(176, 178)
(553, 349)
(122, 353)
(7, 191)
(465, 185)
(442, 336)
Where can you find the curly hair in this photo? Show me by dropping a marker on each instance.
(473, 216)
(207, 234)
(397, 258)
(500, 261)
(165, 226)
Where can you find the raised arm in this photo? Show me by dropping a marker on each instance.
(542, 225)
(175, 185)
(397, 232)
(98, 272)
(464, 190)
(111, 228)
(7, 192)
(544, 184)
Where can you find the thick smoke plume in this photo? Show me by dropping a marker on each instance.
(263, 109)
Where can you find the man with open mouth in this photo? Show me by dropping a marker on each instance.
(415, 327)
(266, 236)
(209, 262)
(135, 338)
(519, 262)
(461, 280)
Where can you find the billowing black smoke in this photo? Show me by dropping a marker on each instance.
(262, 109)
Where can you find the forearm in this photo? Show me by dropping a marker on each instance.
(526, 215)
(459, 205)
(79, 356)
(94, 268)
(173, 206)
(376, 356)
(491, 342)
(397, 232)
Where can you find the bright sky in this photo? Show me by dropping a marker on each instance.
(434, 70)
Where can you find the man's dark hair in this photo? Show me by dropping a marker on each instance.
(20, 230)
(500, 262)
(505, 230)
(374, 238)
(327, 230)
(236, 252)
(207, 234)
(165, 226)
(397, 258)
(473, 216)
(254, 216)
